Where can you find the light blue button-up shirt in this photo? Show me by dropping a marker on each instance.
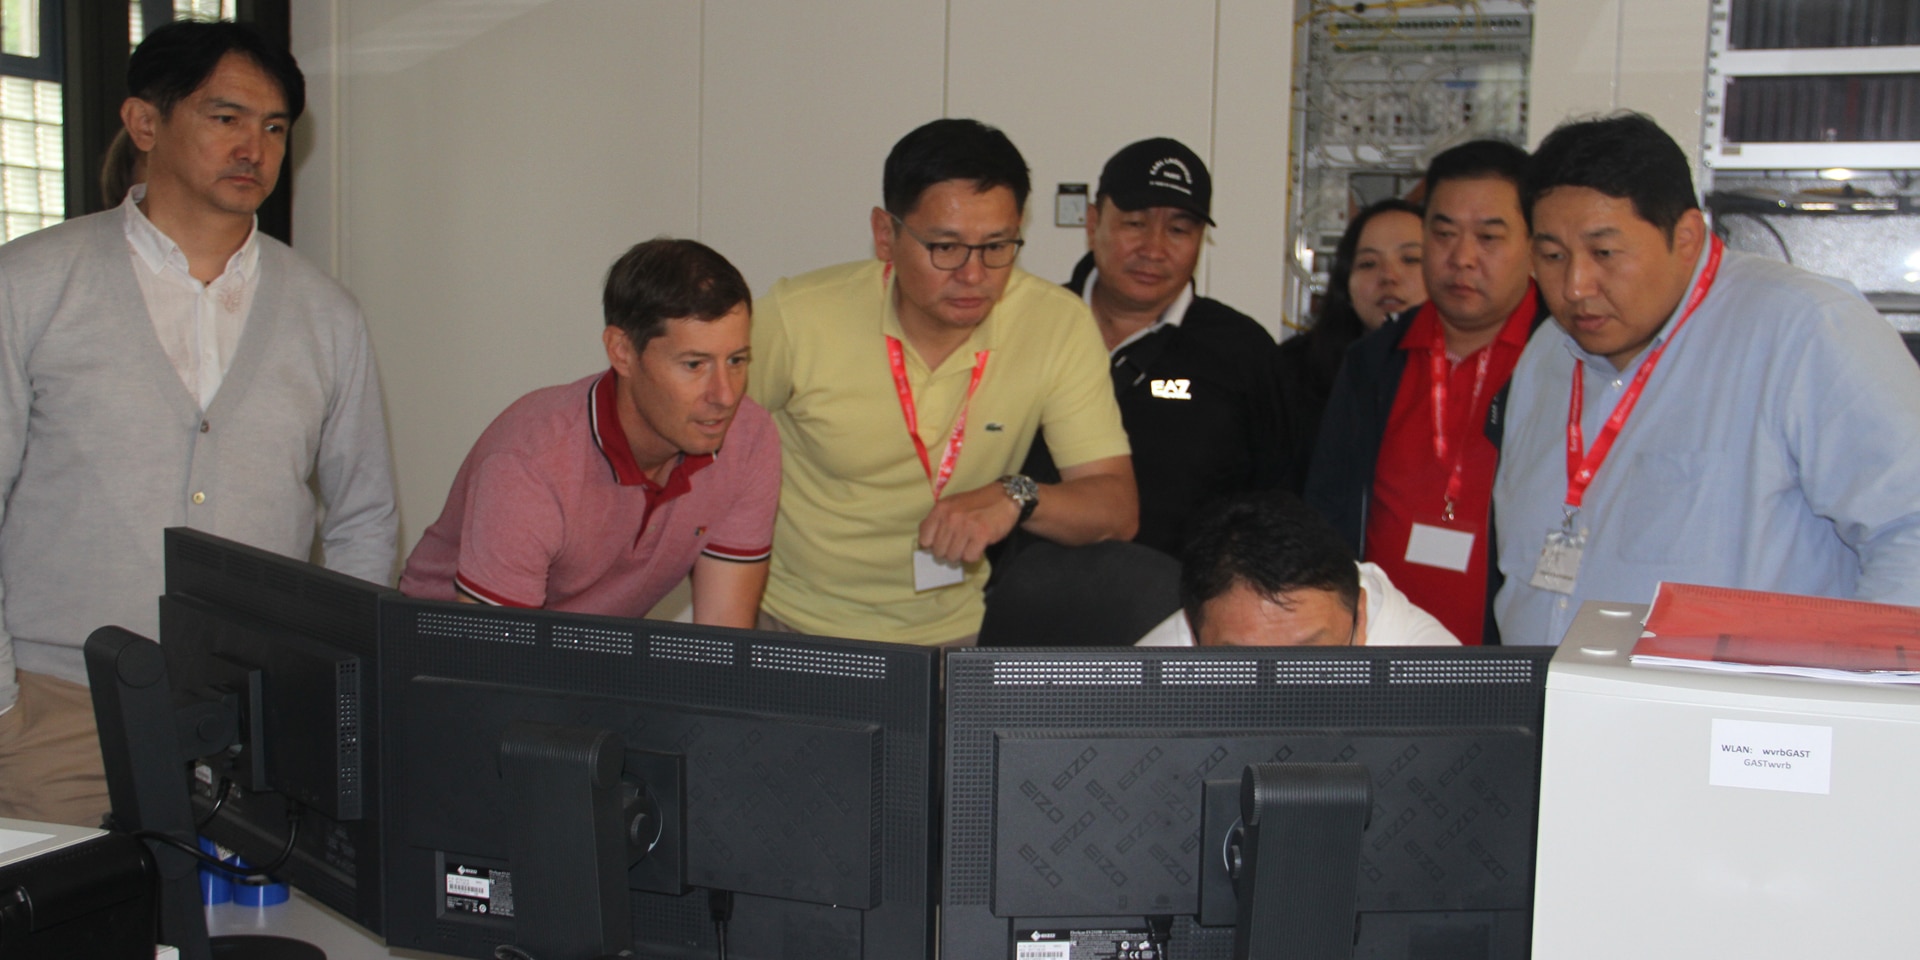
(1776, 447)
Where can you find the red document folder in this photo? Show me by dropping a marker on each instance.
(1750, 631)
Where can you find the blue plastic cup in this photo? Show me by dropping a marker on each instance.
(215, 886)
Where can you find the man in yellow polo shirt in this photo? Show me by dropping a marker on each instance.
(907, 390)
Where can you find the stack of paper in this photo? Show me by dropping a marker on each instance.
(1749, 631)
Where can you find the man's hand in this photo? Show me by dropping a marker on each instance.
(961, 527)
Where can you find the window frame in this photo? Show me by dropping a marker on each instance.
(50, 63)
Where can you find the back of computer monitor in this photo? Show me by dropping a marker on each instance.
(1091, 794)
(290, 650)
(788, 779)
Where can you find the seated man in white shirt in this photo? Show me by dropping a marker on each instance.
(1267, 570)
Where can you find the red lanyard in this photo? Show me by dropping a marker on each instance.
(1441, 374)
(897, 358)
(1581, 469)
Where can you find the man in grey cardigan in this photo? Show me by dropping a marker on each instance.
(164, 364)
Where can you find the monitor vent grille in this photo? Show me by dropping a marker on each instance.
(328, 594)
(1187, 672)
(1457, 671)
(200, 552)
(593, 640)
(455, 626)
(281, 579)
(1358, 672)
(692, 649)
(832, 663)
(1032, 673)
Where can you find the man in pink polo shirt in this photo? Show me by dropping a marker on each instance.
(598, 496)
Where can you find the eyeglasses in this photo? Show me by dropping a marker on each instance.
(948, 255)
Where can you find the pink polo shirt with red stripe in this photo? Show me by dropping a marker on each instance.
(550, 510)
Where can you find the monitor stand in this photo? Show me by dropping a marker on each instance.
(1295, 859)
(257, 947)
(597, 820)
(571, 850)
(147, 784)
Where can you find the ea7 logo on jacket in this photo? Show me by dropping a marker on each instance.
(1171, 389)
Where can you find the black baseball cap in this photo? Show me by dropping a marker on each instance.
(1160, 172)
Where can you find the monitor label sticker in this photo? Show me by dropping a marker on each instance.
(483, 891)
(1791, 757)
(1084, 945)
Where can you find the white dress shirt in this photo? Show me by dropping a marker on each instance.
(1170, 317)
(199, 324)
(1392, 620)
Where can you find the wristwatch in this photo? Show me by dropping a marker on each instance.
(1022, 490)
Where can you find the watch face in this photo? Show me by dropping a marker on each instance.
(1021, 488)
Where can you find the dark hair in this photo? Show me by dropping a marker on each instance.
(1474, 160)
(116, 168)
(1270, 541)
(177, 57)
(1339, 324)
(1626, 156)
(666, 279)
(952, 150)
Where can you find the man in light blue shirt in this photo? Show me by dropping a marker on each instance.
(1773, 436)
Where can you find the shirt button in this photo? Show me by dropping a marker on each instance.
(1563, 603)
(199, 497)
(205, 426)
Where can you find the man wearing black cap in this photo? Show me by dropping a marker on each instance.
(1193, 375)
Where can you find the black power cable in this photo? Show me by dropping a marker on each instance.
(219, 801)
(720, 905)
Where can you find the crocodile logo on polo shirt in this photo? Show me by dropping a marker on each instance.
(1171, 389)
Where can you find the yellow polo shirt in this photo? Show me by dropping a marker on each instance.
(853, 491)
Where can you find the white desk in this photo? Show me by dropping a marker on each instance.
(304, 919)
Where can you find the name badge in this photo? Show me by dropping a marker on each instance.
(932, 573)
(1432, 546)
(1559, 561)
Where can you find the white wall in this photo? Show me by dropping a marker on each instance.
(1597, 56)
(800, 103)
(470, 167)
(1252, 94)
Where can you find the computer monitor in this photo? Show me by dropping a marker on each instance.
(287, 650)
(1092, 795)
(578, 785)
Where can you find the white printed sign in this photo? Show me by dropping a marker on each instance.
(1793, 757)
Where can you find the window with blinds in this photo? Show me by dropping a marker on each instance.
(32, 156)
